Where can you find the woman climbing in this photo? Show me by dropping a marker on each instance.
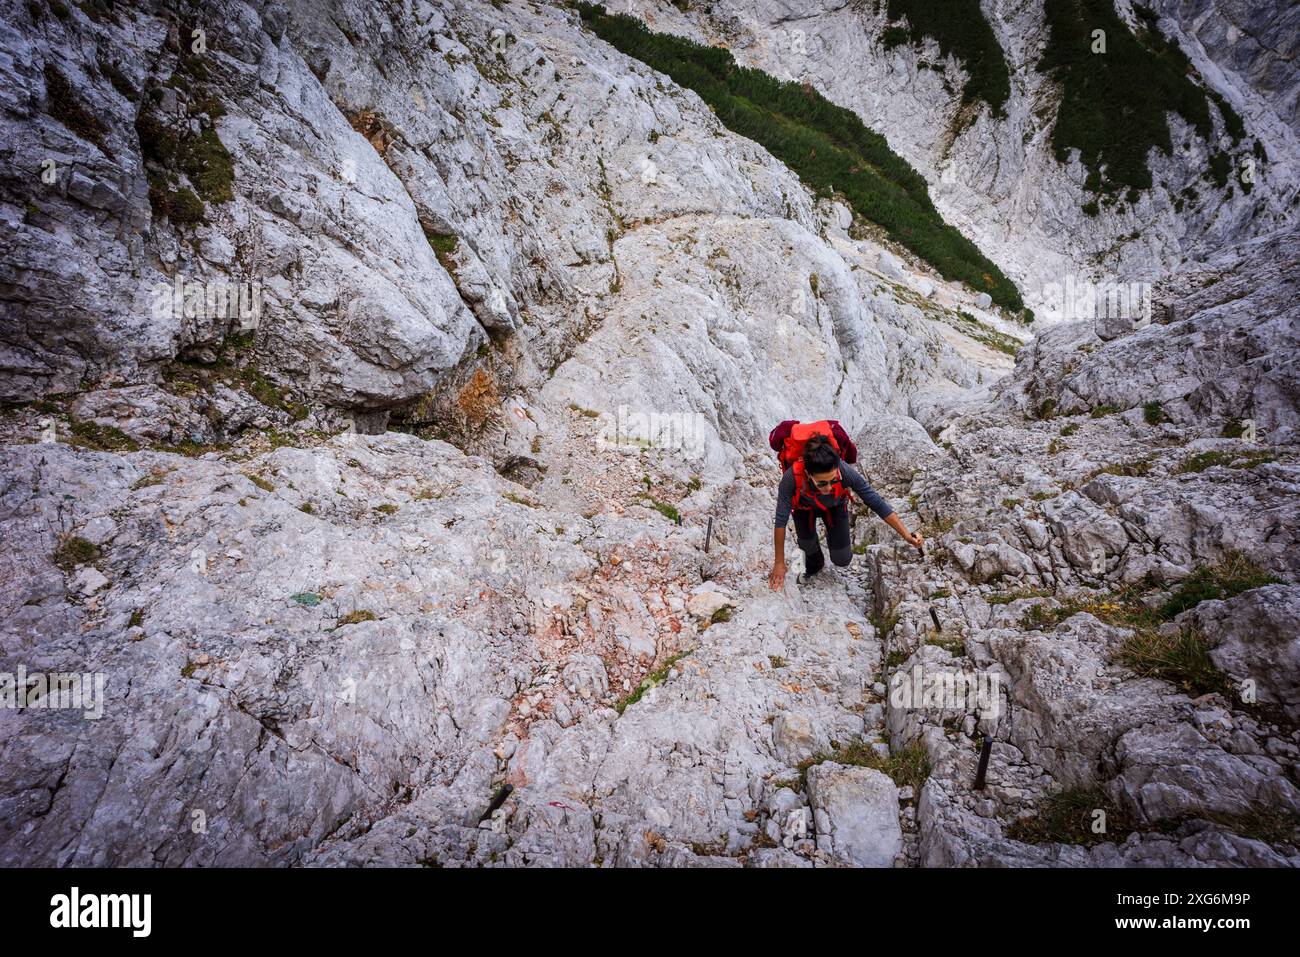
(815, 482)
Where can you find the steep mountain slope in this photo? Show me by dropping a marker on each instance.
(584, 303)
(997, 177)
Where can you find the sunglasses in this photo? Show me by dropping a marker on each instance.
(828, 482)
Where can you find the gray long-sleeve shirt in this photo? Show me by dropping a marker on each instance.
(850, 477)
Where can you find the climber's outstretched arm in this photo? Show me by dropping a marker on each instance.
(896, 523)
(871, 498)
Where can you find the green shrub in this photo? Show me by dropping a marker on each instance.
(668, 511)
(1114, 104)
(960, 29)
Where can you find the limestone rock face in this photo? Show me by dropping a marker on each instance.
(1135, 505)
(1256, 640)
(857, 814)
(481, 495)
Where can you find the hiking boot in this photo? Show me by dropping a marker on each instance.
(811, 568)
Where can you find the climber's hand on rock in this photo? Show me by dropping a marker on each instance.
(916, 540)
(777, 578)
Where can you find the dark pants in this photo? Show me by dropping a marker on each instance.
(837, 536)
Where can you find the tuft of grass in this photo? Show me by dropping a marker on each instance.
(209, 166)
(909, 767)
(1104, 410)
(1008, 597)
(388, 508)
(1230, 577)
(1272, 825)
(261, 483)
(885, 623)
(1067, 816)
(955, 645)
(155, 477)
(668, 511)
(1181, 658)
(1122, 607)
(1154, 413)
(306, 598)
(650, 680)
(102, 438)
(444, 247)
(722, 614)
(356, 617)
(73, 551)
(180, 206)
(1237, 460)
(1134, 469)
(158, 142)
(65, 105)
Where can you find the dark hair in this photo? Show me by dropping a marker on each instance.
(819, 455)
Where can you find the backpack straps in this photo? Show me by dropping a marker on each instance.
(802, 491)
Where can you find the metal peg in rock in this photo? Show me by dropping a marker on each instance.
(984, 762)
(708, 534)
(498, 799)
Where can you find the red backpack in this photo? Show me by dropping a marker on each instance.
(788, 440)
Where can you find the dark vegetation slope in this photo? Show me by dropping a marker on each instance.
(826, 145)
